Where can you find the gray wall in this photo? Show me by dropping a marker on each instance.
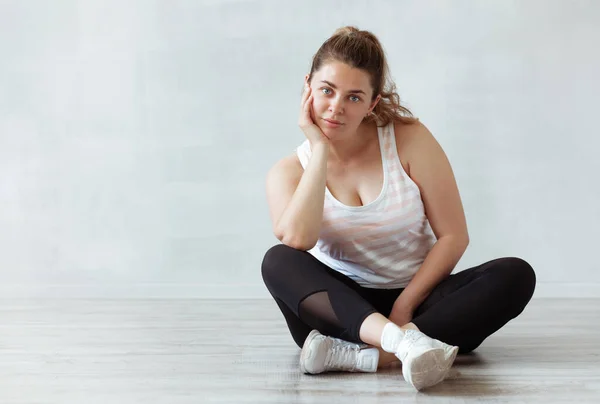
(135, 136)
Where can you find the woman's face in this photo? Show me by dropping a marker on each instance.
(342, 98)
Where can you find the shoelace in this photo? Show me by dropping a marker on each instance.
(343, 355)
(410, 338)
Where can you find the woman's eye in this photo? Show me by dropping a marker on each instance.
(327, 91)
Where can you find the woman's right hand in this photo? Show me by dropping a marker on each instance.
(306, 122)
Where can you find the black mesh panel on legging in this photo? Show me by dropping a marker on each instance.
(320, 297)
(316, 309)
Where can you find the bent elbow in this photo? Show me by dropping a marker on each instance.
(295, 239)
(463, 242)
(296, 242)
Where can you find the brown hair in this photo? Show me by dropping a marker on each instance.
(362, 50)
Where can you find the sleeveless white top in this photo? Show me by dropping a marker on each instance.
(381, 244)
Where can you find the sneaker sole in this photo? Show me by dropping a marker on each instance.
(430, 368)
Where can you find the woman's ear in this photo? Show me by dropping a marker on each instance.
(374, 103)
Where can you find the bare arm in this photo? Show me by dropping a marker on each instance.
(296, 196)
(431, 171)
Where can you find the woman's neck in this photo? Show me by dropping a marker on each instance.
(351, 146)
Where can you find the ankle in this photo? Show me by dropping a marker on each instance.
(391, 336)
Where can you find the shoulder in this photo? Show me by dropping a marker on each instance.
(410, 135)
(288, 169)
(415, 142)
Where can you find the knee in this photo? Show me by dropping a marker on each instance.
(519, 278)
(274, 260)
(523, 273)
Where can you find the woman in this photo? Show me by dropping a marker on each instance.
(372, 225)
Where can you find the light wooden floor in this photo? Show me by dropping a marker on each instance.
(236, 351)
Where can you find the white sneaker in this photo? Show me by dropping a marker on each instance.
(450, 350)
(325, 354)
(425, 361)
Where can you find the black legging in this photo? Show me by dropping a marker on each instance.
(463, 310)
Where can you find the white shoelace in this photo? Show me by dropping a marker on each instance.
(342, 355)
(410, 338)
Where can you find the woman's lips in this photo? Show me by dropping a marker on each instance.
(332, 123)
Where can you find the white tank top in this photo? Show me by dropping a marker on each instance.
(381, 244)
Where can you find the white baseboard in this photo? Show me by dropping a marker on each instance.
(567, 290)
(221, 291)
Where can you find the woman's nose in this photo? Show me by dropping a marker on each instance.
(336, 106)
